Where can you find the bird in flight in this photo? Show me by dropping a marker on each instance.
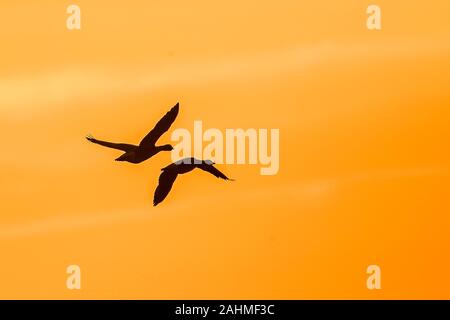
(170, 173)
(146, 148)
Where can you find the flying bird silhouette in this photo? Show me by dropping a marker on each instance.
(170, 173)
(146, 148)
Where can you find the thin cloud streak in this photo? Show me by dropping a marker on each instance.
(305, 190)
(38, 91)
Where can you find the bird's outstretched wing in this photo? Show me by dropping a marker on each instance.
(162, 126)
(213, 170)
(166, 180)
(119, 146)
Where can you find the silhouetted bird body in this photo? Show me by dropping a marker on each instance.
(170, 173)
(147, 147)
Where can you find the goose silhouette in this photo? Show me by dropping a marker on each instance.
(146, 148)
(170, 173)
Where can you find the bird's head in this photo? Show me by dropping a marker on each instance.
(166, 147)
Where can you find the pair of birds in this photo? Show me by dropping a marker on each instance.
(147, 148)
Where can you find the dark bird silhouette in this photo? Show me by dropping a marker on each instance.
(170, 173)
(147, 147)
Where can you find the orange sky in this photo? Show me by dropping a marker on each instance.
(364, 133)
